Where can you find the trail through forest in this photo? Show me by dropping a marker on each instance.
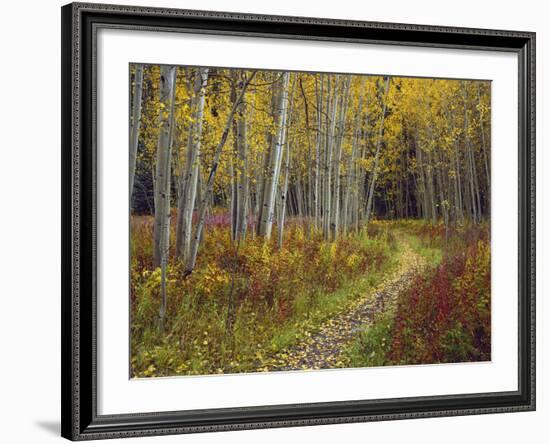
(265, 206)
(323, 348)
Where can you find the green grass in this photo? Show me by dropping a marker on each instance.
(310, 318)
(463, 325)
(197, 340)
(310, 312)
(311, 289)
(372, 344)
(432, 254)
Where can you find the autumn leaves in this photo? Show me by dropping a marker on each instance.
(270, 155)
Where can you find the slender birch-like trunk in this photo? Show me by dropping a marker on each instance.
(474, 195)
(284, 191)
(267, 160)
(309, 190)
(135, 124)
(377, 155)
(266, 222)
(459, 206)
(430, 187)
(332, 102)
(338, 157)
(233, 168)
(162, 201)
(316, 191)
(234, 200)
(188, 186)
(210, 182)
(162, 172)
(243, 174)
(484, 150)
(350, 173)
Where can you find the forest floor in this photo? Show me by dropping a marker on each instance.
(349, 303)
(325, 347)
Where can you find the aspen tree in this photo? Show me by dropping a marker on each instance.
(284, 190)
(210, 182)
(338, 156)
(189, 181)
(266, 223)
(135, 123)
(162, 200)
(377, 155)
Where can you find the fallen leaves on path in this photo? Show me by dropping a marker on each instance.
(322, 349)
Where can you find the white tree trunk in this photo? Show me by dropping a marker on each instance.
(210, 183)
(377, 155)
(135, 124)
(243, 174)
(188, 188)
(484, 150)
(338, 157)
(284, 191)
(266, 222)
(351, 168)
(162, 201)
(316, 191)
(329, 146)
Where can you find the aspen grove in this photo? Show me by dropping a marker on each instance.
(296, 221)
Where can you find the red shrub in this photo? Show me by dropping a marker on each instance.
(444, 316)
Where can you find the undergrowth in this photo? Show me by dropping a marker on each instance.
(445, 314)
(243, 302)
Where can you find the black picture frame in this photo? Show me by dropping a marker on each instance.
(80, 420)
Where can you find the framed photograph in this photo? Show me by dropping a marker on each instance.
(278, 221)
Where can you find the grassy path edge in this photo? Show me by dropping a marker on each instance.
(324, 347)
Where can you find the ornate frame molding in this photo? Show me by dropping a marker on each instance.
(79, 395)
